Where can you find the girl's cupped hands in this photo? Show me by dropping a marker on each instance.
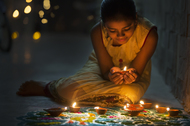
(118, 77)
(130, 76)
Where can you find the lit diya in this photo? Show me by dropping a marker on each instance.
(100, 111)
(173, 112)
(134, 109)
(124, 70)
(73, 108)
(146, 105)
(160, 109)
(55, 111)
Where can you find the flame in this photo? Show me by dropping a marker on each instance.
(96, 107)
(142, 102)
(125, 68)
(156, 106)
(128, 105)
(168, 109)
(74, 104)
(124, 107)
(65, 108)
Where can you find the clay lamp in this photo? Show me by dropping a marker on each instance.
(73, 108)
(55, 111)
(146, 105)
(124, 70)
(134, 109)
(173, 112)
(100, 111)
(160, 109)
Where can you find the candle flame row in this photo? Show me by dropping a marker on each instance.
(141, 102)
(156, 106)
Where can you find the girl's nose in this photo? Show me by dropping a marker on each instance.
(119, 34)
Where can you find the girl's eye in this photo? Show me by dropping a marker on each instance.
(112, 31)
(127, 29)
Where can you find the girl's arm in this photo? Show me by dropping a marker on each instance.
(104, 59)
(146, 52)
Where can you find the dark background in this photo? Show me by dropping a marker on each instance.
(64, 48)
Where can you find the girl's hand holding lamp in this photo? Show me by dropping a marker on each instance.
(127, 77)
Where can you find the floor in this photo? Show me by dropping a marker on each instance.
(55, 55)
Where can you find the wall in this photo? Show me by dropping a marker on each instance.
(172, 56)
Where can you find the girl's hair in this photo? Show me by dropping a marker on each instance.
(117, 10)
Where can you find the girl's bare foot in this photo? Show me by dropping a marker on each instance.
(32, 88)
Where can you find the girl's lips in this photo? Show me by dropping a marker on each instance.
(121, 40)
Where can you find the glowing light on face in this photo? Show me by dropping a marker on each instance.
(27, 9)
(15, 35)
(74, 104)
(44, 21)
(15, 14)
(46, 4)
(41, 13)
(142, 102)
(36, 35)
(28, 1)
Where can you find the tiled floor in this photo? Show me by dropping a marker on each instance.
(55, 55)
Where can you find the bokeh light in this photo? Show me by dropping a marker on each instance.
(27, 9)
(90, 17)
(46, 4)
(15, 35)
(25, 21)
(44, 21)
(15, 14)
(28, 1)
(56, 7)
(27, 56)
(41, 13)
(52, 14)
(36, 35)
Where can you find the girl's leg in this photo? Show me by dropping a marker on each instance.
(33, 88)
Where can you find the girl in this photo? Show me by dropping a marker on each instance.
(121, 38)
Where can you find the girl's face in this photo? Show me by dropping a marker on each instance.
(120, 31)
